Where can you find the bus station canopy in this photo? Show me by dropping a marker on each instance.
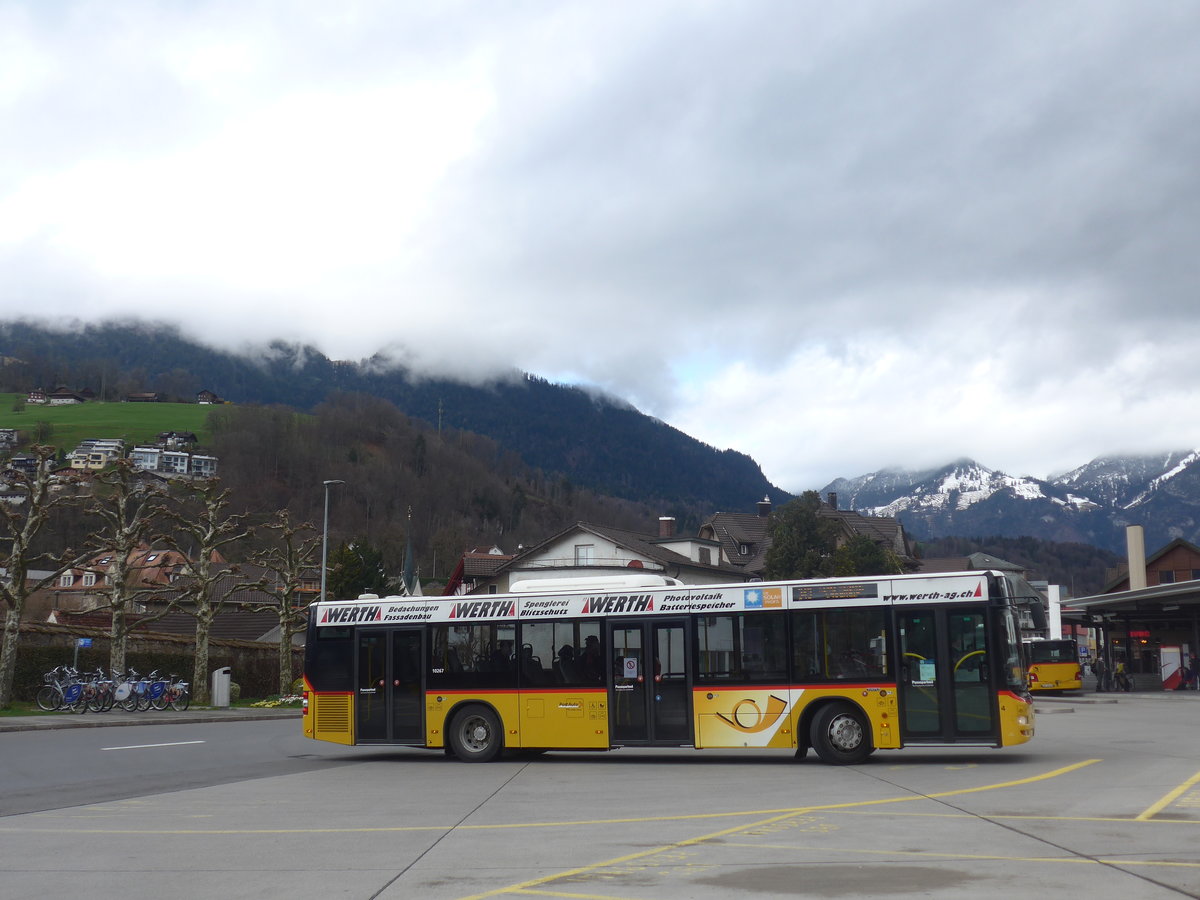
(1179, 600)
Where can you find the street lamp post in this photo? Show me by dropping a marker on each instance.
(325, 535)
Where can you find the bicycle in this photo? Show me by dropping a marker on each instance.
(179, 694)
(51, 696)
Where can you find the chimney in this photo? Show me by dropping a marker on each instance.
(764, 507)
(832, 497)
(666, 526)
(1135, 552)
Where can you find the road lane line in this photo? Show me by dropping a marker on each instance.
(143, 746)
(1170, 798)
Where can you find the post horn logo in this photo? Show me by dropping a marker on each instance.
(748, 718)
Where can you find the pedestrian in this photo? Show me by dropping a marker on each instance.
(1187, 676)
(1100, 670)
(1121, 678)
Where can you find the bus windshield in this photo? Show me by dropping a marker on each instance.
(1052, 651)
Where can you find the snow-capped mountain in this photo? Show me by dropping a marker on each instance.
(1120, 480)
(1091, 504)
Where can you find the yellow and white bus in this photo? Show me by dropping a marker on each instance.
(1053, 665)
(844, 666)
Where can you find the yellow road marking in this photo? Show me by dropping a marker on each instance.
(778, 813)
(1013, 817)
(582, 823)
(525, 886)
(1166, 801)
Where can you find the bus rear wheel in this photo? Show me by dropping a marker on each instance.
(475, 735)
(841, 735)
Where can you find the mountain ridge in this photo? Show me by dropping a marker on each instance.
(1092, 503)
(593, 440)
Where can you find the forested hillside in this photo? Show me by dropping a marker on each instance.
(596, 442)
(461, 490)
(1078, 567)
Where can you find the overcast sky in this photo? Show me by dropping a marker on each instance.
(837, 237)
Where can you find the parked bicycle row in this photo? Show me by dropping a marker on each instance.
(81, 692)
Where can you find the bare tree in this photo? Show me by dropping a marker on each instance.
(286, 562)
(205, 526)
(128, 511)
(22, 523)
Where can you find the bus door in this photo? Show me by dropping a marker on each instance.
(945, 678)
(649, 687)
(389, 699)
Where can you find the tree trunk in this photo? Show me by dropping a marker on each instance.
(117, 641)
(285, 660)
(200, 668)
(8, 656)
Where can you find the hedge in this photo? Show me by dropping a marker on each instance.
(255, 667)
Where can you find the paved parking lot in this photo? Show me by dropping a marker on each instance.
(1104, 803)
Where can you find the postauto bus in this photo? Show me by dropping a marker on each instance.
(1053, 665)
(845, 666)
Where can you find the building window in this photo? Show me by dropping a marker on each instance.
(89, 579)
(66, 579)
(744, 549)
(1166, 576)
(706, 556)
(584, 554)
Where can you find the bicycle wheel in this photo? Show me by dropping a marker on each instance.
(183, 700)
(49, 698)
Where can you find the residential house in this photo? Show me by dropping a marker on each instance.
(242, 616)
(744, 537)
(201, 466)
(148, 459)
(37, 395)
(207, 397)
(26, 465)
(8, 438)
(1032, 607)
(82, 589)
(174, 462)
(62, 396)
(475, 566)
(1173, 563)
(976, 562)
(144, 397)
(177, 440)
(599, 551)
(96, 453)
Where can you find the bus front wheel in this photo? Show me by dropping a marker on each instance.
(475, 735)
(841, 735)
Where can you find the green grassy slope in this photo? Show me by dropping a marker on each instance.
(135, 423)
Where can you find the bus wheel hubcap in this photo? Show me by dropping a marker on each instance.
(476, 734)
(845, 733)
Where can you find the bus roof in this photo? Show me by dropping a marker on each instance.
(576, 601)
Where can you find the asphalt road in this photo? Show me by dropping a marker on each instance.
(1104, 803)
(53, 769)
